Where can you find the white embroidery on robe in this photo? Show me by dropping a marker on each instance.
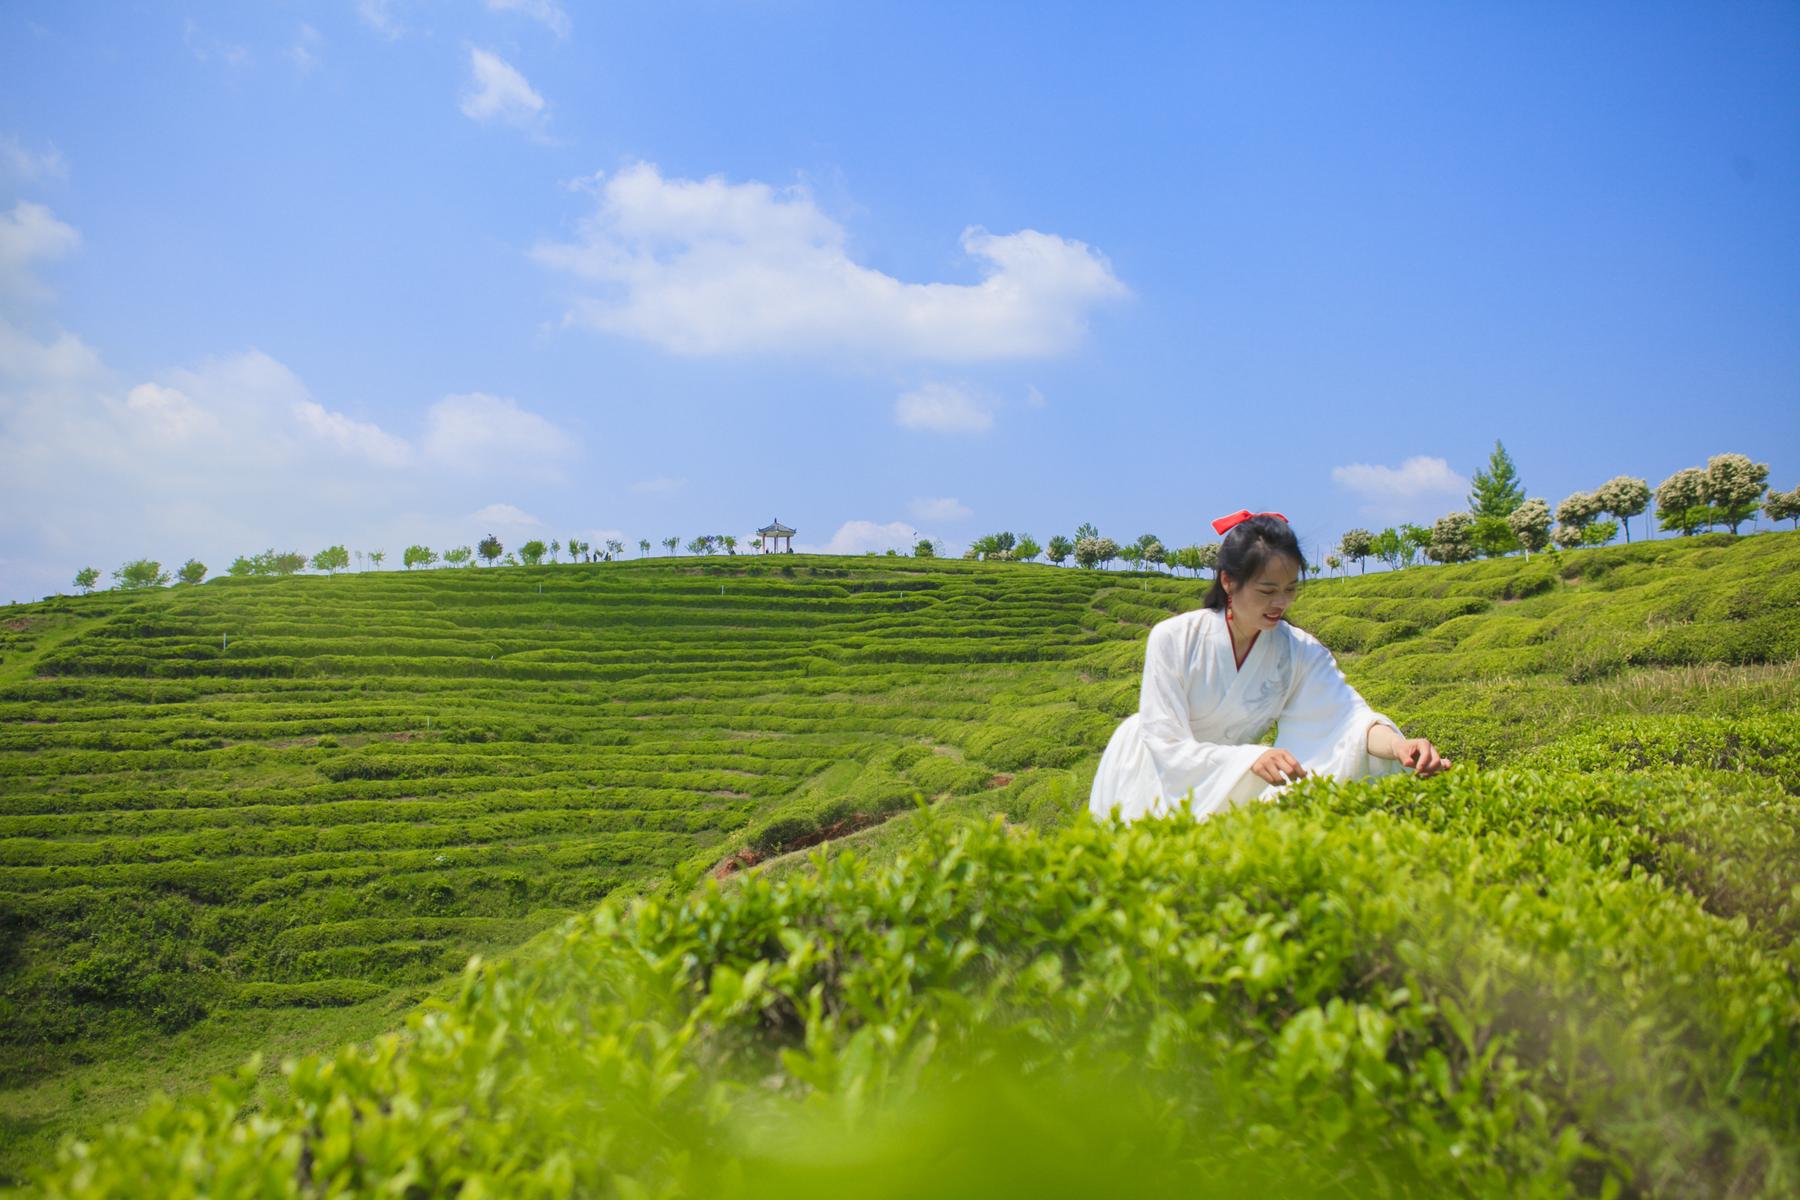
(1273, 691)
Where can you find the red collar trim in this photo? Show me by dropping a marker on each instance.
(1247, 649)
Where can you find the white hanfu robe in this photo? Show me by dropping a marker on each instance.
(1200, 714)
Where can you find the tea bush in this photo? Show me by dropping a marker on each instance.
(1302, 993)
(1573, 971)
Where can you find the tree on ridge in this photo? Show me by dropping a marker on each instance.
(140, 573)
(1356, 546)
(1681, 501)
(1496, 491)
(1530, 523)
(1733, 488)
(1624, 497)
(1783, 506)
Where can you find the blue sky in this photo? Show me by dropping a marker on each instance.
(291, 274)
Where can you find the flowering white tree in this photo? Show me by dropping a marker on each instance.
(1452, 538)
(1681, 501)
(1578, 509)
(1530, 523)
(1356, 546)
(1783, 506)
(1733, 488)
(1624, 497)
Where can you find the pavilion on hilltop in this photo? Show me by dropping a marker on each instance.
(771, 535)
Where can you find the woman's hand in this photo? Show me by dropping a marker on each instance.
(1421, 756)
(1277, 766)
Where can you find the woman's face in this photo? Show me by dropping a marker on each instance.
(1261, 603)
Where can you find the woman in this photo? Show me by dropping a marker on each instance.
(1216, 678)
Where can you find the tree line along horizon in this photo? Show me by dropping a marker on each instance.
(1499, 520)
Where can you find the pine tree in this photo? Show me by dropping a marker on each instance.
(1497, 489)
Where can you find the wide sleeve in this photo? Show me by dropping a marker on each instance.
(1184, 764)
(1325, 723)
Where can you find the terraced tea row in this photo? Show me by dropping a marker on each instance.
(257, 764)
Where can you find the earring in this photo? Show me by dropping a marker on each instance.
(1228, 606)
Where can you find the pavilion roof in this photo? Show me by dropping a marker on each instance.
(776, 528)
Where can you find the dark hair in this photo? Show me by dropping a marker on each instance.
(1247, 548)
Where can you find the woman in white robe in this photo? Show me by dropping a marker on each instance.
(1216, 678)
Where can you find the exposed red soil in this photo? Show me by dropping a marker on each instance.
(747, 857)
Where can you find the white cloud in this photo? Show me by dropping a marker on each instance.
(711, 267)
(361, 438)
(17, 161)
(27, 234)
(505, 516)
(1395, 492)
(860, 537)
(1033, 397)
(226, 457)
(944, 408)
(947, 508)
(476, 432)
(304, 53)
(168, 414)
(379, 16)
(662, 485)
(499, 93)
(28, 363)
(547, 12)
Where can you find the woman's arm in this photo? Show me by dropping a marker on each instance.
(1384, 740)
(1418, 753)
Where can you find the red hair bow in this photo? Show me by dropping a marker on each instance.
(1243, 514)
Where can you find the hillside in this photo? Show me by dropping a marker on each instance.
(260, 807)
(229, 804)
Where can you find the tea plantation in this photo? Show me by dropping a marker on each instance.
(1567, 965)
